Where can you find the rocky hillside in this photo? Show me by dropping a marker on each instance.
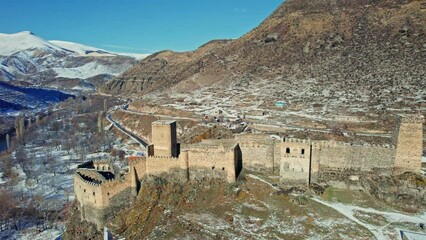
(365, 48)
(255, 209)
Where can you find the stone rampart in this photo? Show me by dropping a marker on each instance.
(212, 163)
(98, 201)
(139, 165)
(338, 161)
(259, 152)
(157, 165)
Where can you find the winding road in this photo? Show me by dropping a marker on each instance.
(142, 142)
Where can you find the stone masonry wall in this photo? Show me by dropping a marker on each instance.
(164, 138)
(345, 158)
(259, 152)
(96, 201)
(158, 165)
(139, 164)
(409, 144)
(211, 163)
(295, 161)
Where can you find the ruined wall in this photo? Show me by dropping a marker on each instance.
(259, 152)
(295, 161)
(209, 162)
(409, 144)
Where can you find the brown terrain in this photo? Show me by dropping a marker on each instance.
(370, 49)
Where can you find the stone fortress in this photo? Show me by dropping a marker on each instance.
(101, 191)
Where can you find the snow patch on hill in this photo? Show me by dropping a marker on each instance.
(81, 49)
(84, 50)
(86, 71)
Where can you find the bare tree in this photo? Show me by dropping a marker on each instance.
(8, 207)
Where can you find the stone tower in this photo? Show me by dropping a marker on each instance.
(164, 138)
(295, 161)
(409, 144)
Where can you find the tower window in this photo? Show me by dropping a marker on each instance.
(303, 151)
(287, 150)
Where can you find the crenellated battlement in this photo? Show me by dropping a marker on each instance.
(296, 140)
(81, 179)
(331, 144)
(163, 157)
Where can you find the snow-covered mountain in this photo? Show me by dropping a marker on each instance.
(28, 59)
(84, 50)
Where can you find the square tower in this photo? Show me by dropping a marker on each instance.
(164, 138)
(409, 144)
(296, 161)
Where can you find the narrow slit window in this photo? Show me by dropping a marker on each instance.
(287, 150)
(303, 151)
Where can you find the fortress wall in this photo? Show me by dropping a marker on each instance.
(94, 215)
(112, 188)
(212, 163)
(84, 191)
(295, 162)
(139, 165)
(99, 202)
(259, 152)
(354, 159)
(115, 195)
(277, 156)
(158, 165)
(87, 201)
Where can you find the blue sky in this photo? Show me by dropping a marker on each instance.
(143, 26)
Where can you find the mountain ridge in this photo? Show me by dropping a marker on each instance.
(26, 58)
(363, 44)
